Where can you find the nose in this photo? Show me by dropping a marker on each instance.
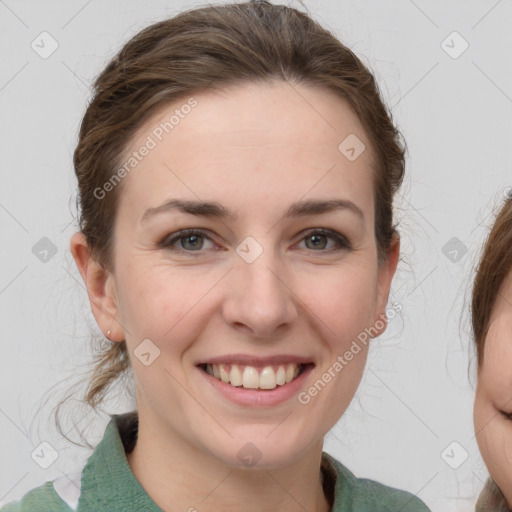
(259, 299)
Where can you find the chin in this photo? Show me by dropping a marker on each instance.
(260, 452)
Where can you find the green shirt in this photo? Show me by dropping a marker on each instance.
(107, 483)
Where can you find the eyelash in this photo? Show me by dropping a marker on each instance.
(167, 242)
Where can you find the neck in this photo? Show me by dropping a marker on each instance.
(178, 476)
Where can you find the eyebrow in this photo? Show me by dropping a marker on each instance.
(216, 210)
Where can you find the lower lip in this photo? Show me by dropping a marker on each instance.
(253, 397)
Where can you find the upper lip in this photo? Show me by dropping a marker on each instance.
(248, 360)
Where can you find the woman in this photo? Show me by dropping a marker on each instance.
(492, 328)
(236, 169)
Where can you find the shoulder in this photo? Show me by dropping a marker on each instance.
(365, 495)
(43, 499)
(59, 495)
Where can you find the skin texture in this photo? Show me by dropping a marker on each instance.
(255, 149)
(494, 394)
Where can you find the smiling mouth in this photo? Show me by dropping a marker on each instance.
(252, 377)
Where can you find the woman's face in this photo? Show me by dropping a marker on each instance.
(493, 401)
(277, 275)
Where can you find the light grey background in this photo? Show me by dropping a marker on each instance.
(416, 395)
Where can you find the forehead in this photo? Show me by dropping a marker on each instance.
(251, 135)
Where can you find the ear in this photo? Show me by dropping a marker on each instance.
(386, 272)
(100, 285)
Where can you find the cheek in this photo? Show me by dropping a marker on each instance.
(494, 437)
(341, 309)
(345, 300)
(497, 452)
(154, 301)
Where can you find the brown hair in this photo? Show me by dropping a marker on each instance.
(198, 50)
(491, 499)
(494, 266)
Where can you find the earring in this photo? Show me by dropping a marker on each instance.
(108, 334)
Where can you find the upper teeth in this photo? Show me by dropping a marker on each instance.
(249, 377)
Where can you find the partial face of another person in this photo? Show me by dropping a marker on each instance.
(493, 401)
(269, 275)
